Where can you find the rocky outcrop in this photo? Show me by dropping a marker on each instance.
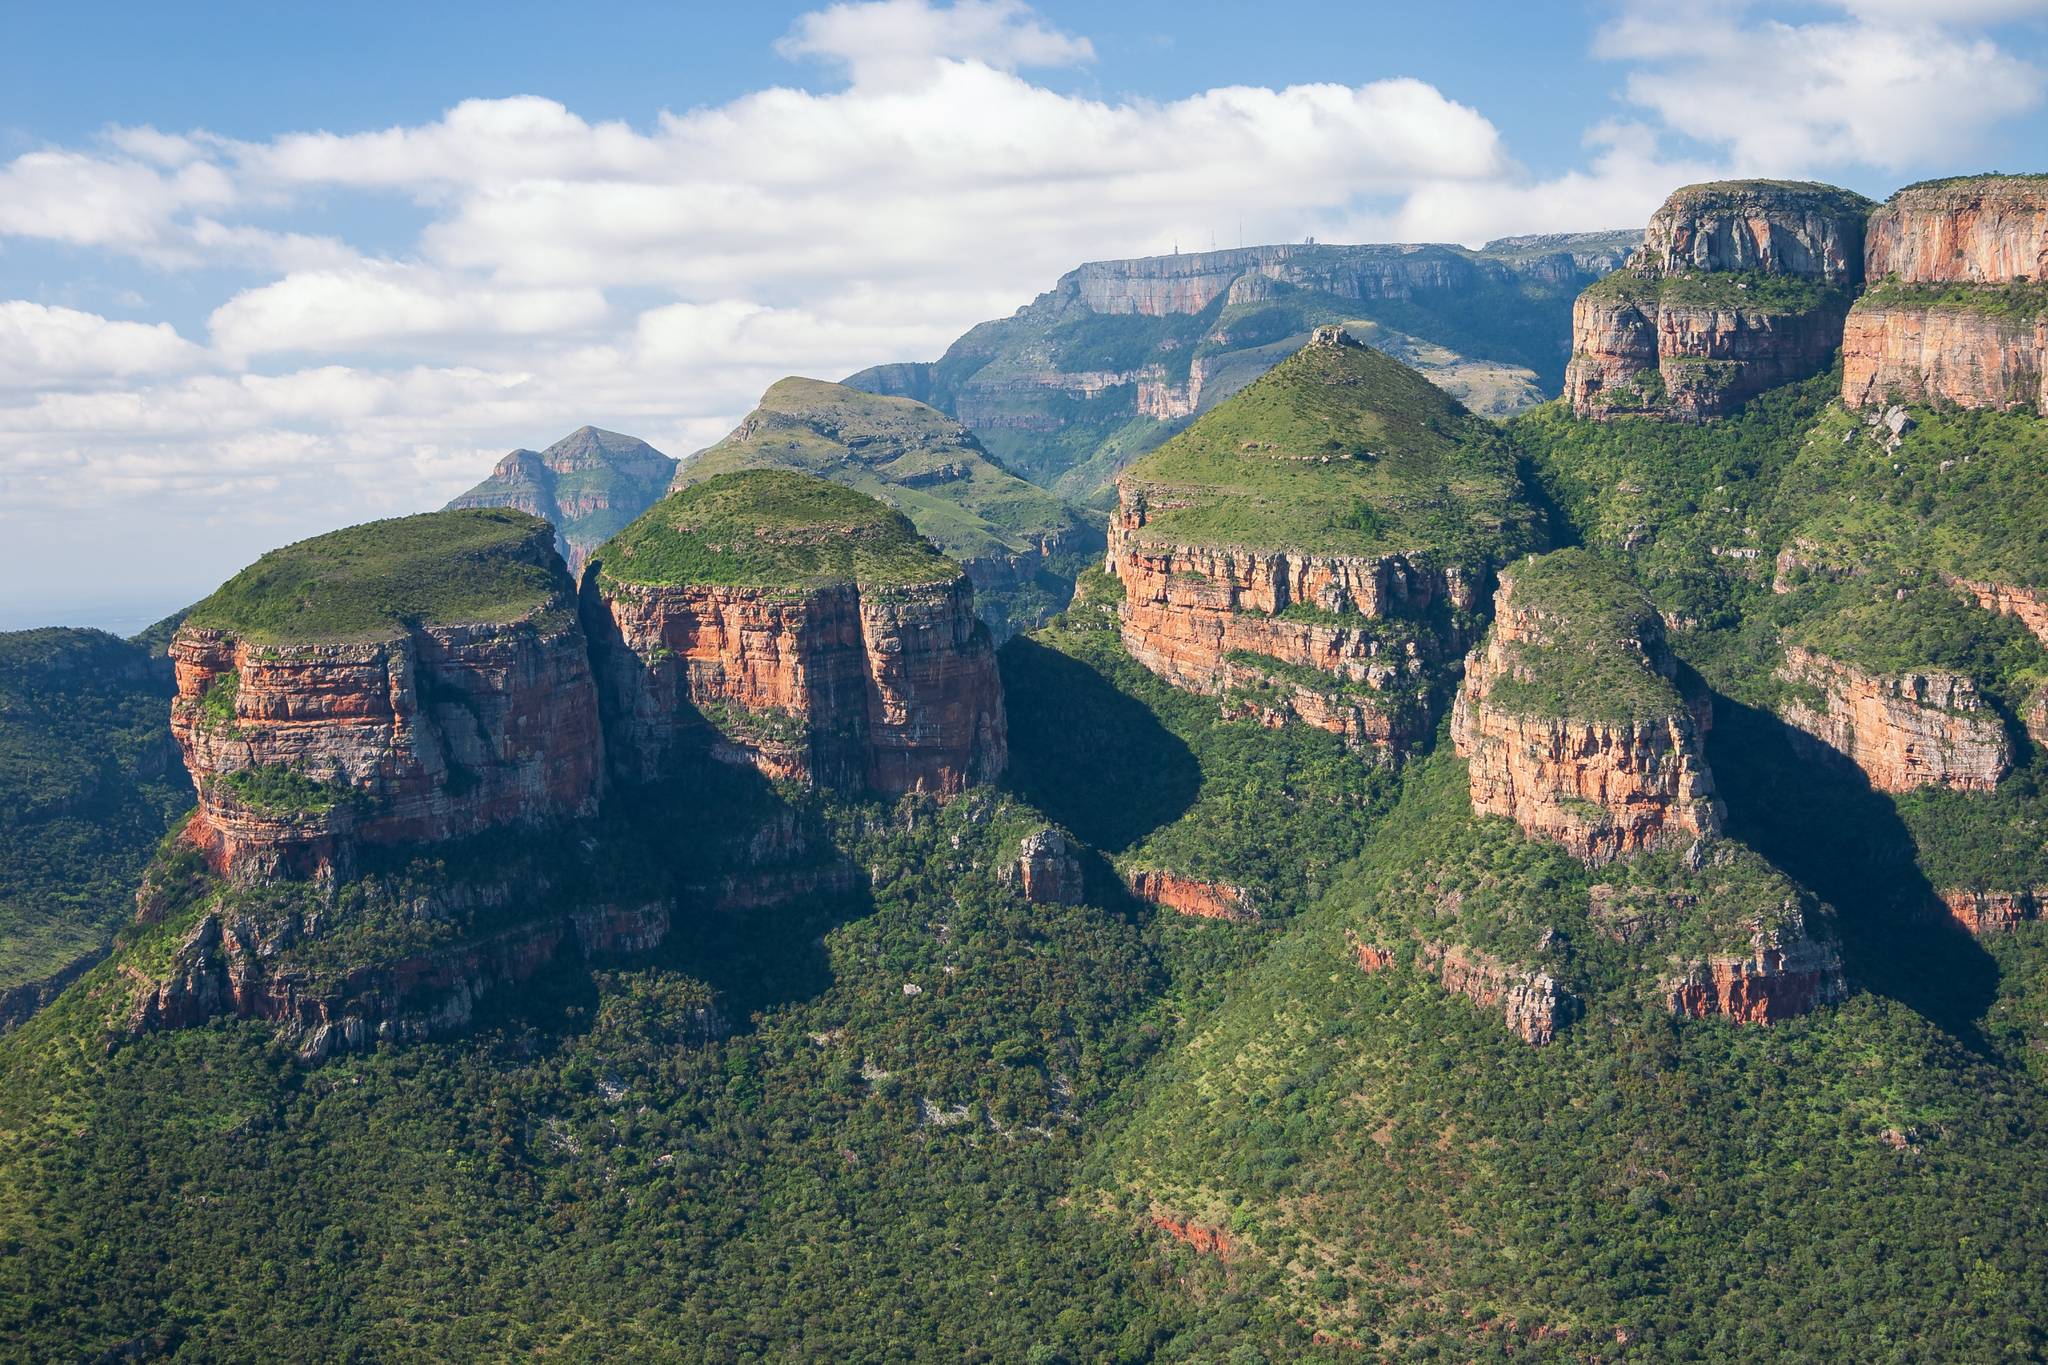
(229, 965)
(2029, 606)
(1192, 896)
(890, 690)
(1971, 230)
(1773, 981)
(1943, 352)
(1209, 1241)
(1048, 869)
(1770, 227)
(1957, 316)
(1212, 620)
(1989, 912)
(303, 752)
(1532, 1004)
(1602, 787)
(1905, 731)
(1739, 286)
(1637, 353)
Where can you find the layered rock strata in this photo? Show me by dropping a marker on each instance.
(303, 752)
(1192, 896)
(1957, 316)
(1214, 619)
(1739, 287)
(1990, 912)
(1601, 786)
(1906, 731)
(1773, 981)
(1048, 869)
(891, 691)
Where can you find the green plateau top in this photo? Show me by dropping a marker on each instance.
(1597, 628)
(1796, 195)
(1338, 449)
(478, 566)
(772, 528)
(899, 451)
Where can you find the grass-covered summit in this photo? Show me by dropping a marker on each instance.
(772, 528)
(1589, 631)
(898, 451)
(473, 566)
(1337, 450)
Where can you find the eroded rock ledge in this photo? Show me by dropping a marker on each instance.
(1957, 315)
(1740, 286)
(1569, 721)
(1906, 731)
(1192, 896)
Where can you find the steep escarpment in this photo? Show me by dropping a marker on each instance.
(776, 620)
(401, 682)
(1315, 548)
(1957, 315)
(1907, 730)
(587, 486)
(1020, 545)
(1569, 719)
(1739, 287)
(1119, 355)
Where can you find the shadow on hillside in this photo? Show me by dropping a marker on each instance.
(1091, 757)
(1819, 820)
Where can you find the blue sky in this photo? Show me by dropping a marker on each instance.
(286, 266)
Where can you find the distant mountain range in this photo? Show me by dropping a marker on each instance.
(588, 485)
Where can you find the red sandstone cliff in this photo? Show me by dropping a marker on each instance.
(1956, 318)
(1601, 788)
(1773, 981)
(1187, 609)
(1192, 896)
(892, 690)
(1913, 730)
(1988, 912)
(440, 732)
(1654, 340)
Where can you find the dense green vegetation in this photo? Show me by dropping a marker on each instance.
(1723, 289)
(2020, 301)
(773, 528)
(925, 465)
(89, 781)
(1591, 657)
(1339, 450)
(369, 582)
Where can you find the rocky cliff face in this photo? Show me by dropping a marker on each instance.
(890, 691)
(1771, 227)
(1192, 896)
(1210, 619)
(1048, 869)
(303, 752)
(1532, 1004)
(1899, 349)
(1957, 316)
(1773, 981)
(1739, 287)
(1990, 912)
(1601, 786)
(1974, 230)
(1913, 730)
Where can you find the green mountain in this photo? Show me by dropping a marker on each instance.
(587, 486)
(1680, 994)
(1020, 545)
(1118, 355)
